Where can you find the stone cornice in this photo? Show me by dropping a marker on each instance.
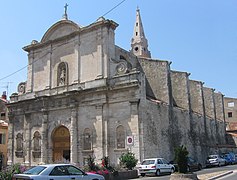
(94, 26)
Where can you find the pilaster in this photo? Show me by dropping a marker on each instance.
(73, 134)
(98, 146)
(134, 126)
(27, 140)
(44, 133)
(10, 151)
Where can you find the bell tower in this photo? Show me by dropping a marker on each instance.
(139, 42)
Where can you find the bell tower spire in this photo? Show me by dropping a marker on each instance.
(139, 42)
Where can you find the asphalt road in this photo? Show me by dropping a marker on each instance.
(232, 176)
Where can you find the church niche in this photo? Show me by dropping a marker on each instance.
(87, 141)
(62, 74)
(120, 137)
(36, 145)
(19, 145)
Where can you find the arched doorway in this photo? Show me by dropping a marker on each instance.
(61, 144)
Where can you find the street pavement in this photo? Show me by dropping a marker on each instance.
(215, 175)
(224, 173)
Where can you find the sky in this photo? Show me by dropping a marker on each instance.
(198, 36)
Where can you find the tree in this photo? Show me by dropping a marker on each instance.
(128, 160)
(181, 158)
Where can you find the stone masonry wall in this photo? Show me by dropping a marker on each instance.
(157, 78)
(156, 131)
(209, 102)
(196, 97)
(180, 89)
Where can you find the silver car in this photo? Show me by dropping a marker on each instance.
(215, 160)
(56, 172)
(155, 166)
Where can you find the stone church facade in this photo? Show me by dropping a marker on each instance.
(86, 96)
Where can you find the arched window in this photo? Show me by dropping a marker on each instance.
(62, 74)
(120, 137)
(36, 141)
(19, 142)
(87, 139)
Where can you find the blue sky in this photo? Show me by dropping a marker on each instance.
(198, 36)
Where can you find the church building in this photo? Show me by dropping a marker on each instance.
(84, 96)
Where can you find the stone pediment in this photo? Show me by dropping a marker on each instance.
(60, 29)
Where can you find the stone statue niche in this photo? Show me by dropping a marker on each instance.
(62, 74)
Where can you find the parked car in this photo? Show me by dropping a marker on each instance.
(229, 157)
(193, 165)
(215, 160)
(155, 166)
(56, 172)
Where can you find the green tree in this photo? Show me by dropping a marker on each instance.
(128, 160)
(181, 158)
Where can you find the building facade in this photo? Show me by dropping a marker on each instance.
(3, 130)
(231, 113)
(86, 96)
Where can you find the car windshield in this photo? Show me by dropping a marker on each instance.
(146, 162)
(212, 157)
(35, 170)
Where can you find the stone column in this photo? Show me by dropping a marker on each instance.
(27, 140)
(44, 135)
(10, 151)
(73, 136)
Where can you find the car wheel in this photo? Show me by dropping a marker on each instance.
(143, 174)
(157, 172)
(172, 170)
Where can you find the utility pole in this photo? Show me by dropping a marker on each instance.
(6, 86)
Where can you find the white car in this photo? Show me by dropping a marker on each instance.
(215, 160)
(155, 166)
(56, 172)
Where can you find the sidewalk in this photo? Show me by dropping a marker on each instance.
(215, 175)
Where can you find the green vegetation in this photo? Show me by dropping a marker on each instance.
(181, 158)
(128, 160)
(7, 173)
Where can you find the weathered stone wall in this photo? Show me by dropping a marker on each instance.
(198, 138)
(157, 75)
(179, 81)
(156, 135)
(162, 134)
(219, 106)
(196, 96)
(209, 102)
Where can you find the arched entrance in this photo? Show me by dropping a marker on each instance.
(61, 144)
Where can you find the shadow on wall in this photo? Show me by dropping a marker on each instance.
(231, 137)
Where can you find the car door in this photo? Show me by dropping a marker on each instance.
(59, 173)
(191, 164)
(166, 165)
(67, 173)
(160, 165)
(77, 174)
